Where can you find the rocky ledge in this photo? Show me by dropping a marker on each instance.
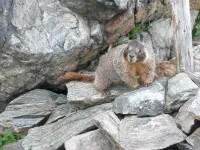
(164, 115)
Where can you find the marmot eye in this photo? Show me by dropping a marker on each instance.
(140, 50)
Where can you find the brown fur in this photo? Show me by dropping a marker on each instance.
(166, 68)
(124, 64)
(70, 76)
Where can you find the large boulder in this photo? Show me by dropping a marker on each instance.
(40, 40)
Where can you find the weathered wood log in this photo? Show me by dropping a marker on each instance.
(182, 34)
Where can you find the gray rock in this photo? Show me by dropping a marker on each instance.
(93, 140)
(163, 81)
(84, 94)
(194, 139)
(3, 105)
(194, 76)
(152, 10)
(145, 101)
(188, 113)
(185, 146)
(14, 146)
(29, 110)
(108, 123)
(162, 33)
(101, 10)
(125, 4)
(5, 6)
(60, 112)
(184, 118)
(145, 37)
(141, 4)
(195, 106)
(97, 31)
(52, 136)
(180, 89)
(149, 133)
(43, 40)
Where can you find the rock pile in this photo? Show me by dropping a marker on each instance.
(126, 120)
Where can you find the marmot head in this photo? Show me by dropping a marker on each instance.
(135, 52)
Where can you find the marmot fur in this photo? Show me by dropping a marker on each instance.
(166, 68)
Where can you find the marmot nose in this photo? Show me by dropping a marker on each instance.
(131, 55)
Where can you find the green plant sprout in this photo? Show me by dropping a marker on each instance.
(9, 137)
(139, 28)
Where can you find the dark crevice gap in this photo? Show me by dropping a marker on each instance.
(62, 147)
(120, 116)
(44, 120)
(57, 119)
(195, 126)
(173, 147)
(92, 128)
(59, 89)
(180, 146)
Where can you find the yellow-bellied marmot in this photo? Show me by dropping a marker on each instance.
(125, 64)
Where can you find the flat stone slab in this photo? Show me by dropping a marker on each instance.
(188, 113)
(93, 140)
(194, 139)
(145, 101)
(53, 136)
(180, 89)
(29, 109)
(150, 133)
(60, 112)
(84, 94)
(108, 123)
